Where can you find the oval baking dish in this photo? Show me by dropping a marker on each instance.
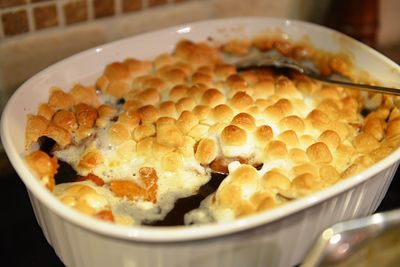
(279, 237)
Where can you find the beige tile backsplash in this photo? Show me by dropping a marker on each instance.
(35, 34)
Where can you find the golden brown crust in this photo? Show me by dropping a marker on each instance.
(116, 71)
(263, 134)
(58, 134)
(236, 84)
(376, 127)
(137, 67)
(167, 109)
(285, 88)
(237, 47)
(86, 95)
(143, 131)
(173, 75)
(185, 104)
(292, 122)
(206, 151)
(306, 168)
(130, 118)
(331, 139)
(393, 127)
(86, 115)
(224, 70)
(222, 113)
(319, 153)
(233, 136)
(186, 121)
(202, 78)
(177, 92)
(274, 180)
(289, 137)
(329, 174)
(65, 119)
(365, 142)
(189, 106)
(102, 83)
(149, 96)
(264, 88)
(105, 114)
(213, 97)
(172, 162)
(241, 100)
(85, 199)
(276, 149)
(201, 111)
(279, 110)
(44, 166)
(46, 111)
(118, 133)
(297, 155)
(304, 184)
(35, 127)
(319, 119)
(169, 135)
(148, 114)
(59, 99)
(244, 121)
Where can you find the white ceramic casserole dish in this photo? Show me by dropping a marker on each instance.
(280, 237)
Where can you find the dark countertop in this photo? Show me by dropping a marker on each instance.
(23, 242)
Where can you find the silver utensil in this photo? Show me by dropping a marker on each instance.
(279, 61)
(369, 241)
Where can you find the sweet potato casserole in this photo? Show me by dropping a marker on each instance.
(152, 137)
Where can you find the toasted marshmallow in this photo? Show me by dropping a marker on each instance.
(151, 131)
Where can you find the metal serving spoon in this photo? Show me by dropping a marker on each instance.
(281, 62)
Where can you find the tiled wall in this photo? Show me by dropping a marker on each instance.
(27, 16)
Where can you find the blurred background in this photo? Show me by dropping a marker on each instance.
(37, 33)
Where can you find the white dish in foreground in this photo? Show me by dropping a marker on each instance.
(279, 237)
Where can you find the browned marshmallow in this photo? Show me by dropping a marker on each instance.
(263, 134)
(233, 136)
(186, 121)
(319, 153)
(185, 103)
(275, 181)
(244, 121)
(178, 92)
(222, 113)
(206, 151)
(86, 95)
(365, 142)
(46, 111)
(331, 139)
(241, 100)
(224, 71)
(59, 99)
(292, 122)
(276, 149)
(169, 135)
(44, 166)
(65, 119)
(105, 114)
(213, 97)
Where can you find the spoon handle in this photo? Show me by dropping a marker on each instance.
(281, 62)
(365, 87)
